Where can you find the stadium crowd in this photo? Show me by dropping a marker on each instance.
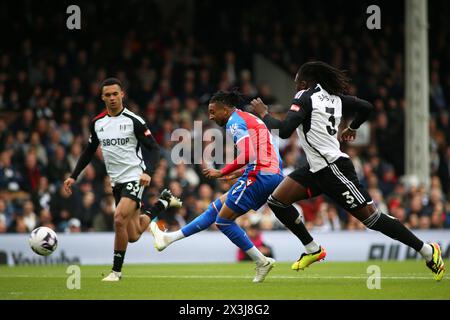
(49, 93)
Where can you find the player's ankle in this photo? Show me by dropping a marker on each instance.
(427, 252)
(164, 203)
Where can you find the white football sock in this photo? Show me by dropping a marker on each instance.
(175, 236)
(427, 252)
(256, 255)
(312, 247)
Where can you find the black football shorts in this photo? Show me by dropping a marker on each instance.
(132, 190)
(338, 181)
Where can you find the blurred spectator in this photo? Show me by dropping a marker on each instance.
(88, 210)
(265, 219)
(18, 225)
(104, 220)
(62, 206)
(10, 177)
(36, 146)
(74, 155)
(416, 206)
(187, 176)
(58, 165)
(354, 224)
(32, 172)
(378, 200)
(289, 164)
(326, 220)
(43, 195)
(30, 219)
(3, 226)
(437, 94)
(46, 219)
(205, 194)
(73, 226)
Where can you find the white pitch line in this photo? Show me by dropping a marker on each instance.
(299, 277)
(281, 277)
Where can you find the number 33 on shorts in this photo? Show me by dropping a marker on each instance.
(134, 188)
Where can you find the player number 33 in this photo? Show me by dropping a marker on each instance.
(134, 187)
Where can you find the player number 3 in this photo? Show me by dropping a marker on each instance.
(331, 130)
(349, 199)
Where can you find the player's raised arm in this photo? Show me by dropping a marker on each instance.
(84, 159)
(362, 108)
(300, 109)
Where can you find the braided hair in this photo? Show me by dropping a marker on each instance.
(333, 80)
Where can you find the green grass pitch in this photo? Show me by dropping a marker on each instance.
(325, 280)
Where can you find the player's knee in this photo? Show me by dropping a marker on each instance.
(119, 220)
(371, 220)
(368, 215)
(222, 223)
(275, 205)
(219, 225)
(133, 239)
(285, 213)
(213, 211)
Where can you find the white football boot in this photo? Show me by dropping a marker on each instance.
(172, 201)
(263, 269)
(160, 241)
(113, 276)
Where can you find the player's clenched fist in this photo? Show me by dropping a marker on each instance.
(259, 107)
(68, 185)
(212, 173)
(144, 180)
(348, 135)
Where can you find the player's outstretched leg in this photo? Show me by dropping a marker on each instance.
(280, 202)
(290, 217)
(394, 229)
(172, 201)
(141, 219)
(163, 239)
(238, 236)
(166, 200)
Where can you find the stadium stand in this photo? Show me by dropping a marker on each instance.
(49, 93)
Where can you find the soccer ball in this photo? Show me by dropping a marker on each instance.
(43, 241)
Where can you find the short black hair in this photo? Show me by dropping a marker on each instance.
(227, 98)
(110, 82)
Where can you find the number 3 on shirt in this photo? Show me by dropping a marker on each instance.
(331, 129)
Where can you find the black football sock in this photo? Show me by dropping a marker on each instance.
(393, 228)
(155, 210)
(290, 217)
(118, 260)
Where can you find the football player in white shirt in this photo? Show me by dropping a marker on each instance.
(121, 133)
(315, 113)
